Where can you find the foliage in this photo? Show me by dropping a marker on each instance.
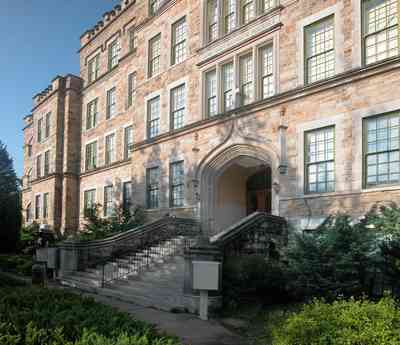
(253, 277)
(122, 220)
(338, 259)
(10, 210)
(21, 264)
(48, 317)
(28, 238)
(351, 322)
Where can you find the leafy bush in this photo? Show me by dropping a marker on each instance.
(122, 220)
(342, 323)
(21, 264)
(32, 316)
(253, 278)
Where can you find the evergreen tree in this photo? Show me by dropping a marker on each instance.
(10, 211)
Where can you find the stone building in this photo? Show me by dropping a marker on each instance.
(217, 108)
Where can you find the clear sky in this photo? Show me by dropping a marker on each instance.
(39, 40)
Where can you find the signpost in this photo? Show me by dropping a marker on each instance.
(205, 278)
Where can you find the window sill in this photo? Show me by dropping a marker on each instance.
(382, 188)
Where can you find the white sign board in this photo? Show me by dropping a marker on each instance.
(206, 275)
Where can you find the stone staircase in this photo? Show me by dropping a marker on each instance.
(152, 277)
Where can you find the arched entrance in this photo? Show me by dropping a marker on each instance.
(233, 184)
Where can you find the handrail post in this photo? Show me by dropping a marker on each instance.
(103, 277)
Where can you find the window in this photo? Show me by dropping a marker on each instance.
(229, 15)
(212, 20)
(131, 88)
(178, 106)
(381, 31)
(211, 92)
(128, 140)
(29, 177)
(153, 188)
(108, 207)
(91, 156)
(248, 10)
(111, 102)
(93, 68)
(47, 125)
(267, 5)
(320, 50)
(113, 54)
(132, 40)
(39, 166)
(45, 205)
(382, 150)
(177, 184)
(154, 6)
(227, 86)
(38, 202)
(320, 160)
(154, 55)
(179, 41)
(267, 76)
(110, 149)
(29, 150)
(39, 130)
(246, 78)
(153, 117)
(46, 163)
(89, 201)
(127, 196)
(91, 114)
(28, 215)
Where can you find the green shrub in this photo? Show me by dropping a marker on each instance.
(21, 264)
(342, 323)
(33, 316)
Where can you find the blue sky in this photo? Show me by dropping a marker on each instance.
(40, 39)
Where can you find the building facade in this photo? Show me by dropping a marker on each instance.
(217, 108)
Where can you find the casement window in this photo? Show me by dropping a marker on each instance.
(153, 187)
(382, 150)
(128, 142)
(248, 8)
(46, 163)
(91, 156)
(267, 71)
(110, 149)
(108, 206)
(45, 205)
(153, 117)
(178, 106)
(132, 39)
(154, 6)
(91, 114)
(89, 201)
(127, 196)
(28, 215)
(39, 166)
(179, 41)
(380, 29)
(131, 88)
(177, 184)
(38, 206)
(211, 92)
(229, 15)
(267, 5)
(154, 55)
(212, 20)
(320, 160)
(319, 50)
(39, 130)
(93, 68)
(47, 125)
(113, 54)
(111, 103)
(228, 86)
(246, 79)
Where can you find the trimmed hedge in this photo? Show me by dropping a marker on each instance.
(34, 316)
(343, 322)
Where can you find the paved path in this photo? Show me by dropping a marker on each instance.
(189, 328)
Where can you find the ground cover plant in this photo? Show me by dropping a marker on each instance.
(20, 264)
(34, 316)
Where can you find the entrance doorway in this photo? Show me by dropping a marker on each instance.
(259, 191)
